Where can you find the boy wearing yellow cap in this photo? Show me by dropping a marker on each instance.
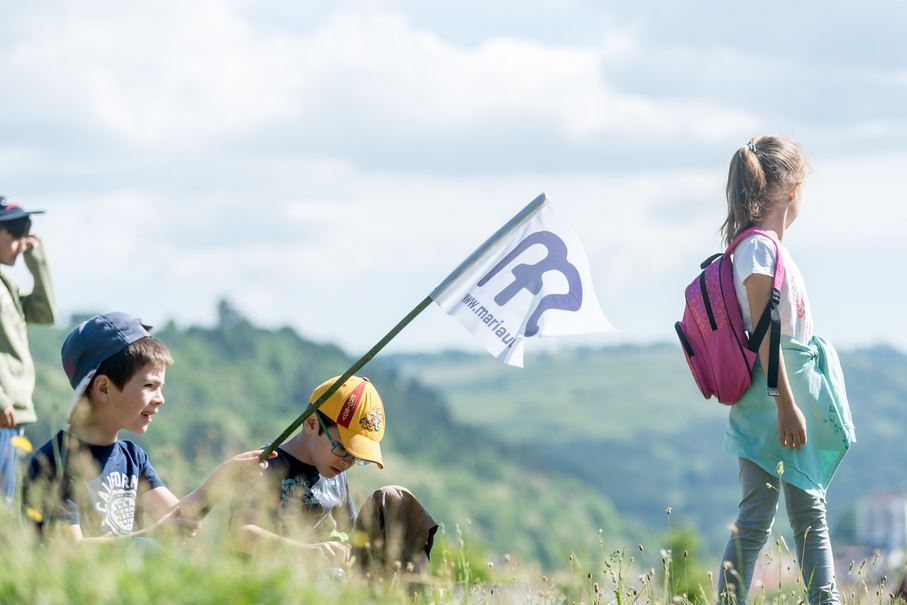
(302, 503)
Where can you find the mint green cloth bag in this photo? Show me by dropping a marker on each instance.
(817, 382)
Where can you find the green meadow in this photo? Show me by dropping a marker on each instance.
(631, 424)
(593, 476)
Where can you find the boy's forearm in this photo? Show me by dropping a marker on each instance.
(74, 535)
(199, 503)
(235, 471)
(196, 505)
(253, 540)
(110, 539)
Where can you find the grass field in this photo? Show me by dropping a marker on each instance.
(521, 467)
(205, 570)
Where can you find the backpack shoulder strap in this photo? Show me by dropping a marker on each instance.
(771, 315)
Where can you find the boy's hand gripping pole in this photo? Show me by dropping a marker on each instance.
(339, 382)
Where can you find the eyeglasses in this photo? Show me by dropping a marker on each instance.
(338, 449)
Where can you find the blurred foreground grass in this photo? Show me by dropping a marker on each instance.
(206, 570)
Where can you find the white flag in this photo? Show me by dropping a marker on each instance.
(531, 278)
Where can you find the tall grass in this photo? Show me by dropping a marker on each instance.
(206, 570)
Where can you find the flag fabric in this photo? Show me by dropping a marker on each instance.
(531, 278)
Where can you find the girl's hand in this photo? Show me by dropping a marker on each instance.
(791, 426)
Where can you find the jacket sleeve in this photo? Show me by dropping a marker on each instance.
(5, 400)
(39, 305)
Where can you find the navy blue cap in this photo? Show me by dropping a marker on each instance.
(10, 211)
(97, 339)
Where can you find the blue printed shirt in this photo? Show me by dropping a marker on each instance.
(97, 487)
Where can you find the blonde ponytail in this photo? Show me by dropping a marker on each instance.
(760, 174)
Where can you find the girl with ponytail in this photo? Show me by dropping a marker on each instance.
(794, 440)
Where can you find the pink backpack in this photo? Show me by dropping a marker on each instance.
(718, 350)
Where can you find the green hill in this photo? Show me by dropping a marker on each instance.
(630, 423)
(235, 386)
(537, 459)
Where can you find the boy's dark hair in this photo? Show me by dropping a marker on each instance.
(19, 227)
(122, 366)
(327, 421)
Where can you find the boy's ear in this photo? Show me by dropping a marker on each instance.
(101, 385)
(311, 424)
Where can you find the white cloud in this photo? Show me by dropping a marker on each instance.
(178, 149)
(341, 267)
(175, 72)
(147, 72)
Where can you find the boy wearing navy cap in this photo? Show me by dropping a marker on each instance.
(17, 371)
(86, 480)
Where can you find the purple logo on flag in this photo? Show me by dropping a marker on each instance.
(529, 277)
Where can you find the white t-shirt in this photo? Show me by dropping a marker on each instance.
(756, 254)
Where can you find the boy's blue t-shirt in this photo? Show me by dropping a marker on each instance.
(100, 488)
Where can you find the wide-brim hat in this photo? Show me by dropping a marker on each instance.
(357, 409)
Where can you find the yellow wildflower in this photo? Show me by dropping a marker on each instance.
(21, 443)
(34, 514)
(359, 539)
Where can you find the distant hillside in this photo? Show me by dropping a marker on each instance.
(629, 422)
(236, 386)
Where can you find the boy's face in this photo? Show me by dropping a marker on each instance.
(10, 247)
(133, 407)
(324, 460)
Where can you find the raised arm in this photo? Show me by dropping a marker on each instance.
(240, 470)
(39, 305)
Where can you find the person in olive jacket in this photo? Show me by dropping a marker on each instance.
(17, 370)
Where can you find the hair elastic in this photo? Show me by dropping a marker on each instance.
(751, 146)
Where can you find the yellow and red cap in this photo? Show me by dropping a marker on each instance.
(357, 409)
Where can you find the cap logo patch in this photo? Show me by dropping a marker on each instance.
(348, 410)
(371, 421)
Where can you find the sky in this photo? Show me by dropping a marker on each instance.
(326, 165)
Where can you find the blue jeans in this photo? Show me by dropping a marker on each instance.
(9, 456)
(755, 517)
